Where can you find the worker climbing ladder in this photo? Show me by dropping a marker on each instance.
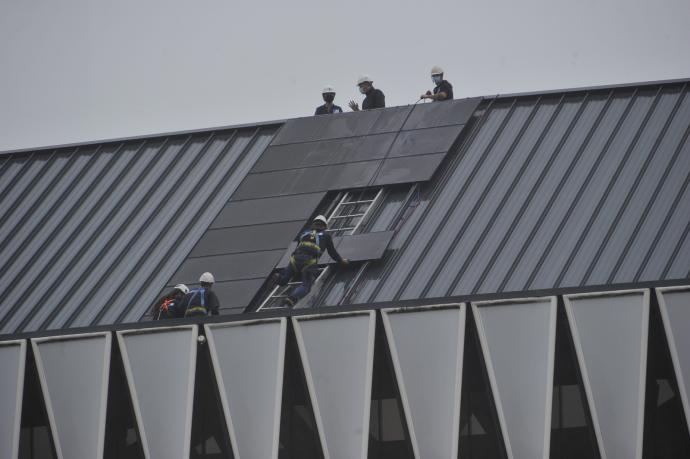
(345, 219)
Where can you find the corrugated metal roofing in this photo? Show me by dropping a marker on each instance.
(542, 191)
(90, 234)
(548, 191)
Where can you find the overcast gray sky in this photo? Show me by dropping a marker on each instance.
(79, 70)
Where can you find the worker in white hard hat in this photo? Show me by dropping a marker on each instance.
(328, 95)
(304, 260)
(201, 301)
(374, 97)
(166, 307)
(443, 90)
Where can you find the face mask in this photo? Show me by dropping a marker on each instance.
(362, 89)
(328, 97)
(436, 79)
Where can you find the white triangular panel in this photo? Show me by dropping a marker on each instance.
(674, 303)
(610, 336)
(248, 359)
(337, 353)
(426, 347)
(518, 340)
(74, 372)
(12, 364)
(160, 365)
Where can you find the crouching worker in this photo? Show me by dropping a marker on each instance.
(304, 260)
(167, 306)
(201, 301)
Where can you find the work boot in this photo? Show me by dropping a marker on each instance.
(288, 303)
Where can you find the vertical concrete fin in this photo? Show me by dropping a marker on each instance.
(74, 372)
(160, 365)
(13, 364)
(674, 303)
(610, 336)
(337, 352)
(518, 340)
(248, 359)
(426, 346)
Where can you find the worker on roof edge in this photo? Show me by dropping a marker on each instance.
(328, 95)
(201, 301)
(167, 306)
(374, 97)
(443, 89)
(304, 260)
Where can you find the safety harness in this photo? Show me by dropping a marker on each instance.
(309, 244)
(197, 310)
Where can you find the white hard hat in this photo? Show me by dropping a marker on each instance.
(436, 70)
(207, 278)
(322, 219)
(364, 79)
(182, 288)
(328, 89)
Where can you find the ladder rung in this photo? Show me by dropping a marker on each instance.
(356, 202)
(341, 229)
(346, 216)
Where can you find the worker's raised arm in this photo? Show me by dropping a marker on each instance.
(330, 248)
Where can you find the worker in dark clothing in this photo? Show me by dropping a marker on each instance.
(374, 97)
(166, 307)
(201, 301)
(304, 260)
(328, 94)
(443, 90)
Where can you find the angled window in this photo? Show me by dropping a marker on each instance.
(346, 215)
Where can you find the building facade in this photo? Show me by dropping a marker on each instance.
(519, 285)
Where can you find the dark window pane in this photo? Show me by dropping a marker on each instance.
(442, 114)
(572, 435)
(268, 210)
(210, 438)
(480, 436)
(35, 438)
(391, 119)
(121, 432)
(665, 431)
(228, 267)
(424, 141)
(246, 238)
(299, 438)
(388, 434)
(408, 169)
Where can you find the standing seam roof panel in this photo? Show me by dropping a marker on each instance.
(644, 168)
(424, 234)
(516, 231)
(591, 189)
(107, 222)
(224, 186)
(461, 251)
(506, 189)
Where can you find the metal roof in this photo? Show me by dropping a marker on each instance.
(548, 191)
(90, 234)
(557, 190)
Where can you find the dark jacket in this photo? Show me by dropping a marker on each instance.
(314, 243)
(374, 99)
(323, 110)
(195, 298)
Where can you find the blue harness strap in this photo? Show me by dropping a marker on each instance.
(201, 292)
